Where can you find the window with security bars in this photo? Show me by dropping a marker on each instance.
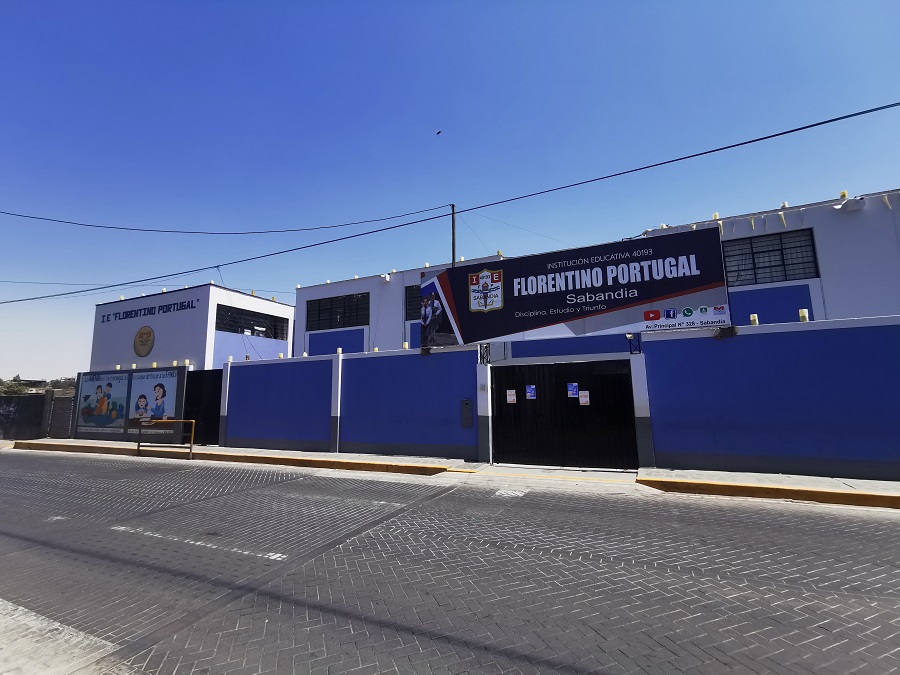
(413, 303)
(785, 256)
(343, 311)
(236, 320)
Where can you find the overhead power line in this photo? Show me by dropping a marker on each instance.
(158, 231)
(160, 277)
(694, 155)
(472, 208)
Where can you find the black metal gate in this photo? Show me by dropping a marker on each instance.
(202, 402)
(22, 417)
(61, 411)
(564, 414)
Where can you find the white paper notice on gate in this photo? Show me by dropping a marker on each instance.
(584, 397)
(510, 395)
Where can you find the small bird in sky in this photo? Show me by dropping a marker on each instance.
(438, 132)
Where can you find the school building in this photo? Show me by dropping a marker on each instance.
(630, 354)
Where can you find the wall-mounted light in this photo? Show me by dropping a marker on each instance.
(854, 204)
(634, 343)
(754, 320)
(118, 367)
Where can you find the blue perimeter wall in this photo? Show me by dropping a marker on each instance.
(815, 402)
(284, 405)
(351, 341)
(781, 304)
(409, 404)
(238, 346)
(592, 344)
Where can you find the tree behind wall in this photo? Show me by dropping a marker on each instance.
(13, 387)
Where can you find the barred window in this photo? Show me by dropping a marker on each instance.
(413, 303)
(236, 320)
(786, 256)
(344, 311)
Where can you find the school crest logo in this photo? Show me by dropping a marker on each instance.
(143, 341)
(486, 291)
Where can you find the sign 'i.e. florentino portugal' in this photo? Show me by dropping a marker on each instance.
(669, 281)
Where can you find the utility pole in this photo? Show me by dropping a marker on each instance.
(453, 234)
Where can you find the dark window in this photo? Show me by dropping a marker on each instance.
(413, 303)
(236, 320)
(343, 311)
(786, 256)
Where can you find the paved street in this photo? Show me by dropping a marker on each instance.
(126, 565)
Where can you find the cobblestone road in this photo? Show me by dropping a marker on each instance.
(124, 566)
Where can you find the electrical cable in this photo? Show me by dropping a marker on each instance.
(503, 222)
(158, 231)
(694, 155)
(473, 208)
(160, 277)
(476, 235)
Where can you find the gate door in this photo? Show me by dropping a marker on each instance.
(202, 402)
(564, 414)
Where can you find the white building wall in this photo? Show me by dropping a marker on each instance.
(219, 295)
(387, 327)
(858, 251)
(183, 322)
(858, 255)
(179, 332)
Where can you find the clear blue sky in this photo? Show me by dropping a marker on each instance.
(231, 116)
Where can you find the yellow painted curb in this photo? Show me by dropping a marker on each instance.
(845, 497)
(280, 460)
(618, 481)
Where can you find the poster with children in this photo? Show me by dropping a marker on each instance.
(153, 395)
(101, 402)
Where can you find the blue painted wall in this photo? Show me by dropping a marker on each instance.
(237, 345)
(817, 402)
(279, 405)
(781, 304)
(415, 335)
(592, 344)
(409, 400)
(351, 340)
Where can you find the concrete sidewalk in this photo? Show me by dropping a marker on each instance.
(885, 494)
(847, 491)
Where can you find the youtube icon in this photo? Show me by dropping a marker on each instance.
(652, 315)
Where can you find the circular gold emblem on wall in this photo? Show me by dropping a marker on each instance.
(143, 341)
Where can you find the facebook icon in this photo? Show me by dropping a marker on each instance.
(671, 313)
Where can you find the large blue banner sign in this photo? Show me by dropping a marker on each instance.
(669, 281)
